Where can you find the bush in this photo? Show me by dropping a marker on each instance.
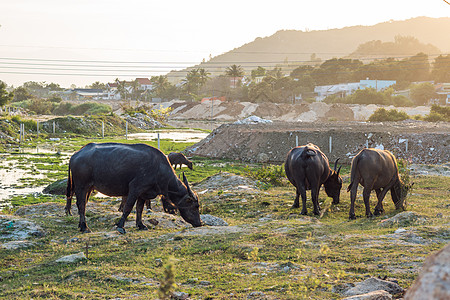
(270, 174)
(401, 101)
(383, 115)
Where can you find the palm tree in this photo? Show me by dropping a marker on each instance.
(234, 71)
(160, 85)
(203, 76)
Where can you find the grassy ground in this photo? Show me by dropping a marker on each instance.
(272, 249)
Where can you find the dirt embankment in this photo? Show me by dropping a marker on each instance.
(416, 141)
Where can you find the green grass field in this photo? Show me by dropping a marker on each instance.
(268, 248)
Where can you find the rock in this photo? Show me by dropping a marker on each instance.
(212, 220)
(434, 278)
(375, 295)
(262, 158)
(180, 295)
(16, 245)
(373, 284)
(256, 295)
(226, 181)
(405, 218)
(56, 188)
(72, 258)
(14, 228)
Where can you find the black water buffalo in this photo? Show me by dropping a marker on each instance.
(307, 168)
(376, 170)
(177, 158)
(138, 171)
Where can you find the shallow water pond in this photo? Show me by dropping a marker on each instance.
(23, 174)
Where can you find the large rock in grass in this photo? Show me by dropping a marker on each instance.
(56, 188)
(375, 295)
(434, 278)
(374, 284)
(406, 218)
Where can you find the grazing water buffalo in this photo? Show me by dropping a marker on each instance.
(177, 158)
(138, 172)
(307, 168)
(376, 170)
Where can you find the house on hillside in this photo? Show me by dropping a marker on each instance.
(83, 94)
(144, 84)
(344, 89)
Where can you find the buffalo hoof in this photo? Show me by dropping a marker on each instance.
(352, 217)
(378, 212)
(304, 213)
(142, 227)
(121, 230)
(68, 212)
(295, 206)
(317, 212)
(369, 215)
(85, 230)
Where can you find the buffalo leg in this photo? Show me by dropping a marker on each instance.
(68, 208)
(379, 208)
(122, 204)
(82, 199)
(315, 200)
(353, 192)
(131, 200)
(139, 208)
(366, 197)
(148, 203)
(168, 206)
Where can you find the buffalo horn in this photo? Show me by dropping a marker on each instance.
(339, 170)
(335, 165)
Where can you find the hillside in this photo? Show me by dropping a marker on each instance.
(295, 46)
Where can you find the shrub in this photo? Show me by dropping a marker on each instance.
(270, 174)
(401, 101)
(161, 114)
(383, 115)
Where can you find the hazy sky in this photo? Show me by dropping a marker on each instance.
(105, 38)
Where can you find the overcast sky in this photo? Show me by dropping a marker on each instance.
(102, 35)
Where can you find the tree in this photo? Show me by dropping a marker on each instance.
(259, 71)
(422, 93)
(98, 85)
(162, 88)
(5, 96)
(194, 80)
(121, 88)
(21, 94)
(235, 72)
(441, 69)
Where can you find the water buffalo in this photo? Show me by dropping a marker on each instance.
(376, 170)
(307, 168)
(177, 158)
(137, 171)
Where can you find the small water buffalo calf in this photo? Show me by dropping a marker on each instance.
(168, 206)
(307, 168)
(177, 158)
(376, 170)
(137, 172)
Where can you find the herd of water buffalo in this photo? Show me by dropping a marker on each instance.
(139, 173)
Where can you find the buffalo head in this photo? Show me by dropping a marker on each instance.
(189, 206)
(333, 184)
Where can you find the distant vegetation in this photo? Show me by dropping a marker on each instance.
(437, 114)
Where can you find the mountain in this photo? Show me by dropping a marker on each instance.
(290, 48)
